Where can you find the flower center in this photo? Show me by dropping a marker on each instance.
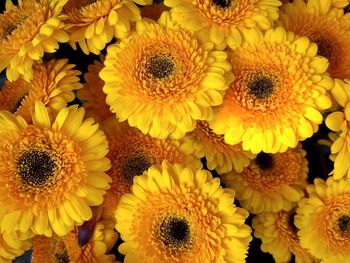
(223, 3)
(344, 223)
(18, 102)
(87, 2)
(261, 87)
(161, 66)
(62, 256)
(265, 161)
(36, 167)
(175, 232)
(135, 165)
(324, 48)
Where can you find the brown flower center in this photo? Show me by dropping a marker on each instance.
(344, 223)
(87, 2)
(265, 161)
(223, 3)
(134, 166)
(175, 232)
(261, 87)
(36, 167)
(62, 257)
(161, 66)
(324, 48)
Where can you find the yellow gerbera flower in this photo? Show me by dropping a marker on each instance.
(279, 89)
(272, 182)
(26, 32)
(324, 25)
(92, 94)
(339, 122)
(14, 244)
(53, 84)
(51, 171)
(131, 153)
(176, 214)
(93, 23)
(161, 79)
(224, 21)
(324, 220)
(220, 156)
(279, 237)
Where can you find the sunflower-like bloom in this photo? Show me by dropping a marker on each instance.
(161, 79)
(176, 214)
(51, 171)
(93, 23)
(222, 157)
(53, 84)
(131, 153)
(324, 25)
(272, 182)
(14, 244)
(92, 94)
(26, 32)
(279, 89)
(324, 220)
(224, 21)
(279, 237)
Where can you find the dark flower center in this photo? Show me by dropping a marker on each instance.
(324, 48)
(175, 232)
(161, 66)
(135, 165)
(265, 161)
(36, 167)
(18, 102)
(62, 256)
(223, 3)
(344, 223)
(87, 2)
(261, 87)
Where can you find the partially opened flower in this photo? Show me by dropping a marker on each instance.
(279, 237)
(26, 32)
(92, 94)
(279, 89)
(51, 171)
(324, 25)
(220, 156)
(131, 153)
(162, 79)
(14, 244)
(53, 84)
(93, 23)
(176, 214)
(324, 220)
(272, 182)
(224, 21)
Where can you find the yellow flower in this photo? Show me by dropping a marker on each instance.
(224, 21)
(26, 32)
(176, 214)
(272, 182)
(51, 171)
(14, 244)
(53, 84)
(92, 94)
(279, 89)
(131, 153)
(93, 23)
(161, 79)
(279, 237)
(324, 25)
(339, 122)
(324, 220)
(220, 156)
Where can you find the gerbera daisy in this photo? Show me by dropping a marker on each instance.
(92, 94)
(93, 23)
(131, 153)
(224, 21)
(51, 171)
(26, 32)
(53, 84)
(222, 157)
(324, 25)
(176, 214)
(324, 220)
(272, 182)
(279, 237)
(161, 79)
(279, 89)
(14, 244)
(339, 122)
